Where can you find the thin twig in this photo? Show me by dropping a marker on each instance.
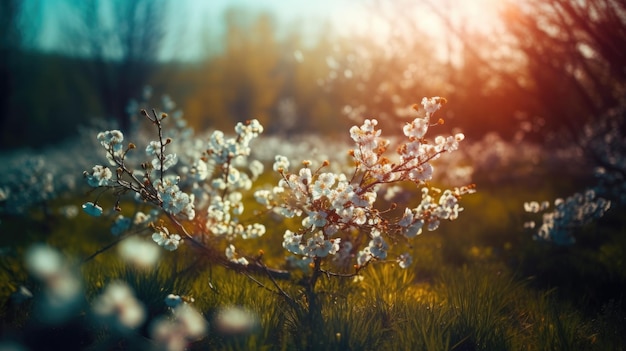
(103, 249)
(273, 280)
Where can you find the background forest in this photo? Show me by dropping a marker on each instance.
(542, 69)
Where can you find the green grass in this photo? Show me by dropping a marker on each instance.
(478, 283)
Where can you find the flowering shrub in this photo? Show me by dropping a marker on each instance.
(339, 219)
(31, 181)
(575, 211)
(340, 215)
(602, 143)
(33, 178)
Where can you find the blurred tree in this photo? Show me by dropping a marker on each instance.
(243, 81)
(391, 65)
(41, 95)
(306, 104)
(383, 80)
(297, 87)
(485, 101)
(11, 44)
(575, 54)
(569, 62)
(122, 40)
(458, 61)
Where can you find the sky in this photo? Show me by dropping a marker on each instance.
(203, 18)
(368, 17)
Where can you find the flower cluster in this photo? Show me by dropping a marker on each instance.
(223, 194)
(29, 180)
(174, 201)
(222, 149)
(570, 213)
(211, 177)
(340, 218)
(340, 211)
(149, 185)
(232, 256)
(100, 176)
(315, 246)
(169, 241)
(112, 141)
(602, 143)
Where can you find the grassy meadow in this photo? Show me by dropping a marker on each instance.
(478, 283)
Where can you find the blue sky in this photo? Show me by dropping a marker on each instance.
(203, 18)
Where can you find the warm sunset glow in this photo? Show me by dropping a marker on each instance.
(444, 21)
(312, 174)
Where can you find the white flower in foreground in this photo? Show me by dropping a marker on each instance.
(139, 252)
(174, 334)
(175, 201)
(101, 176)
(111, 139)
(153, 148)
(363, 257)
(433, 104)
(44, 262)
(231, 255)
(118, 306)
(166, 240)
(318, 246)
(377, 246)
(235, 320)
(62, 290)
(280, 162)
(416, 129)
